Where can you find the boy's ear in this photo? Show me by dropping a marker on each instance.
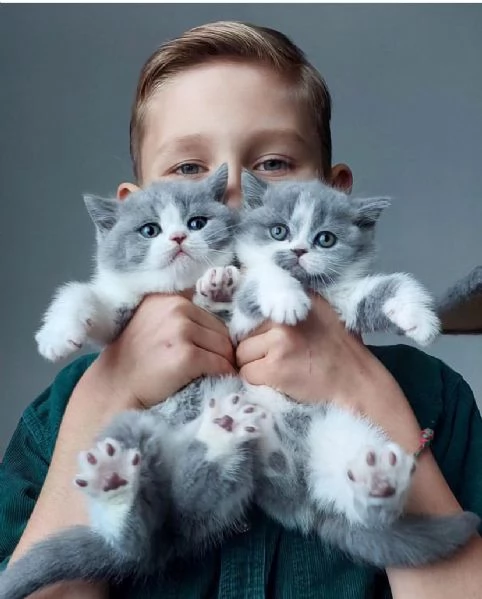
(341, 178)
(253, 190)
(103, 211)
(125, 189)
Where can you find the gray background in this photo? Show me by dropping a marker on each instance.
(407, 117)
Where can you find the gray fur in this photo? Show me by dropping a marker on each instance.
(410, 541)
(462, 290)
(76, 554)
(370, 318)
(247, 300)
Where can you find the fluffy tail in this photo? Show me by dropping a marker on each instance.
(76, 554)
(409, 541)
(462, 291)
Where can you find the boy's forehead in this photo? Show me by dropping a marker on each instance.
(227, 100)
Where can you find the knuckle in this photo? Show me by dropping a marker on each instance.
(177, 305)
(182, 328)
(188, 355)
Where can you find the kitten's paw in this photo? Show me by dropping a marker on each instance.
(228, 422)
(218, 285)
(286, 306)
(410, 311)
(60, 339)
(108, 471)
(380, 479)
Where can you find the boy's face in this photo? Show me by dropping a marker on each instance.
(238, 113)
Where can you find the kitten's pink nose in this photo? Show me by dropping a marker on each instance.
(178, 237)
(299, 251)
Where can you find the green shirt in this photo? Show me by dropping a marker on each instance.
(265, 561)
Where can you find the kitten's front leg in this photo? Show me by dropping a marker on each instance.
(268, 293)
(216, 288)
(389, 302)
(76, 315)
(356, 470)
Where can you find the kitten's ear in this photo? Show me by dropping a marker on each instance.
(367, 211)
(217, 183)
(104, 212)
(253, 190)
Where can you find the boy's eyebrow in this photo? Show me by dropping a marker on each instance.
(191, 141)
(185, 142)
(279, 135)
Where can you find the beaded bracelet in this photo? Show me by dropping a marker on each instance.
(426, 437)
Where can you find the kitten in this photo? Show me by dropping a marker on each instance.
(161, 239)
(169, 482)
(298, 237)
(319, 468)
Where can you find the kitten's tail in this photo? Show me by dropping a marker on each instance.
(75, 554)
(408, 542)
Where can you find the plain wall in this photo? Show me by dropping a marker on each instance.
(407, 118)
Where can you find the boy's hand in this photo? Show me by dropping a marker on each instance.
(319, 360)
(168, 343)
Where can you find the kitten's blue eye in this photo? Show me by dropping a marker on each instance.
(150, 230)
(189, 169)
(279, 232)
(325, 239)
(197, 223)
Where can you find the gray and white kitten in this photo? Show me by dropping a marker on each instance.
(320, 469)
(162, 484)
(161, 239)
(299, 237)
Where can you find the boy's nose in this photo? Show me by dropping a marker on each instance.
(233, 195)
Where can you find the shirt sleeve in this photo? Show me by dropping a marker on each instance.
(27, 458)
(460, 444)
(22, 472)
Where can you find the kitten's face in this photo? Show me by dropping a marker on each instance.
(181, 228)
(309, 229)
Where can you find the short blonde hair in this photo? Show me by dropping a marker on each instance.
(243, 41)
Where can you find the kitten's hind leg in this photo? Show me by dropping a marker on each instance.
(213, 478)
(127, 480)
(355, 469)
(109, 475)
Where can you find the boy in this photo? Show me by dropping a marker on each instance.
(245, 95)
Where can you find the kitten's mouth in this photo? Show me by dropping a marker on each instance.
(179, 253)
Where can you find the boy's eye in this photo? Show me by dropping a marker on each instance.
(325, 239)
(279, 232)
(150, 230)
(196, 223)
(273, 165)
(189, 169)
